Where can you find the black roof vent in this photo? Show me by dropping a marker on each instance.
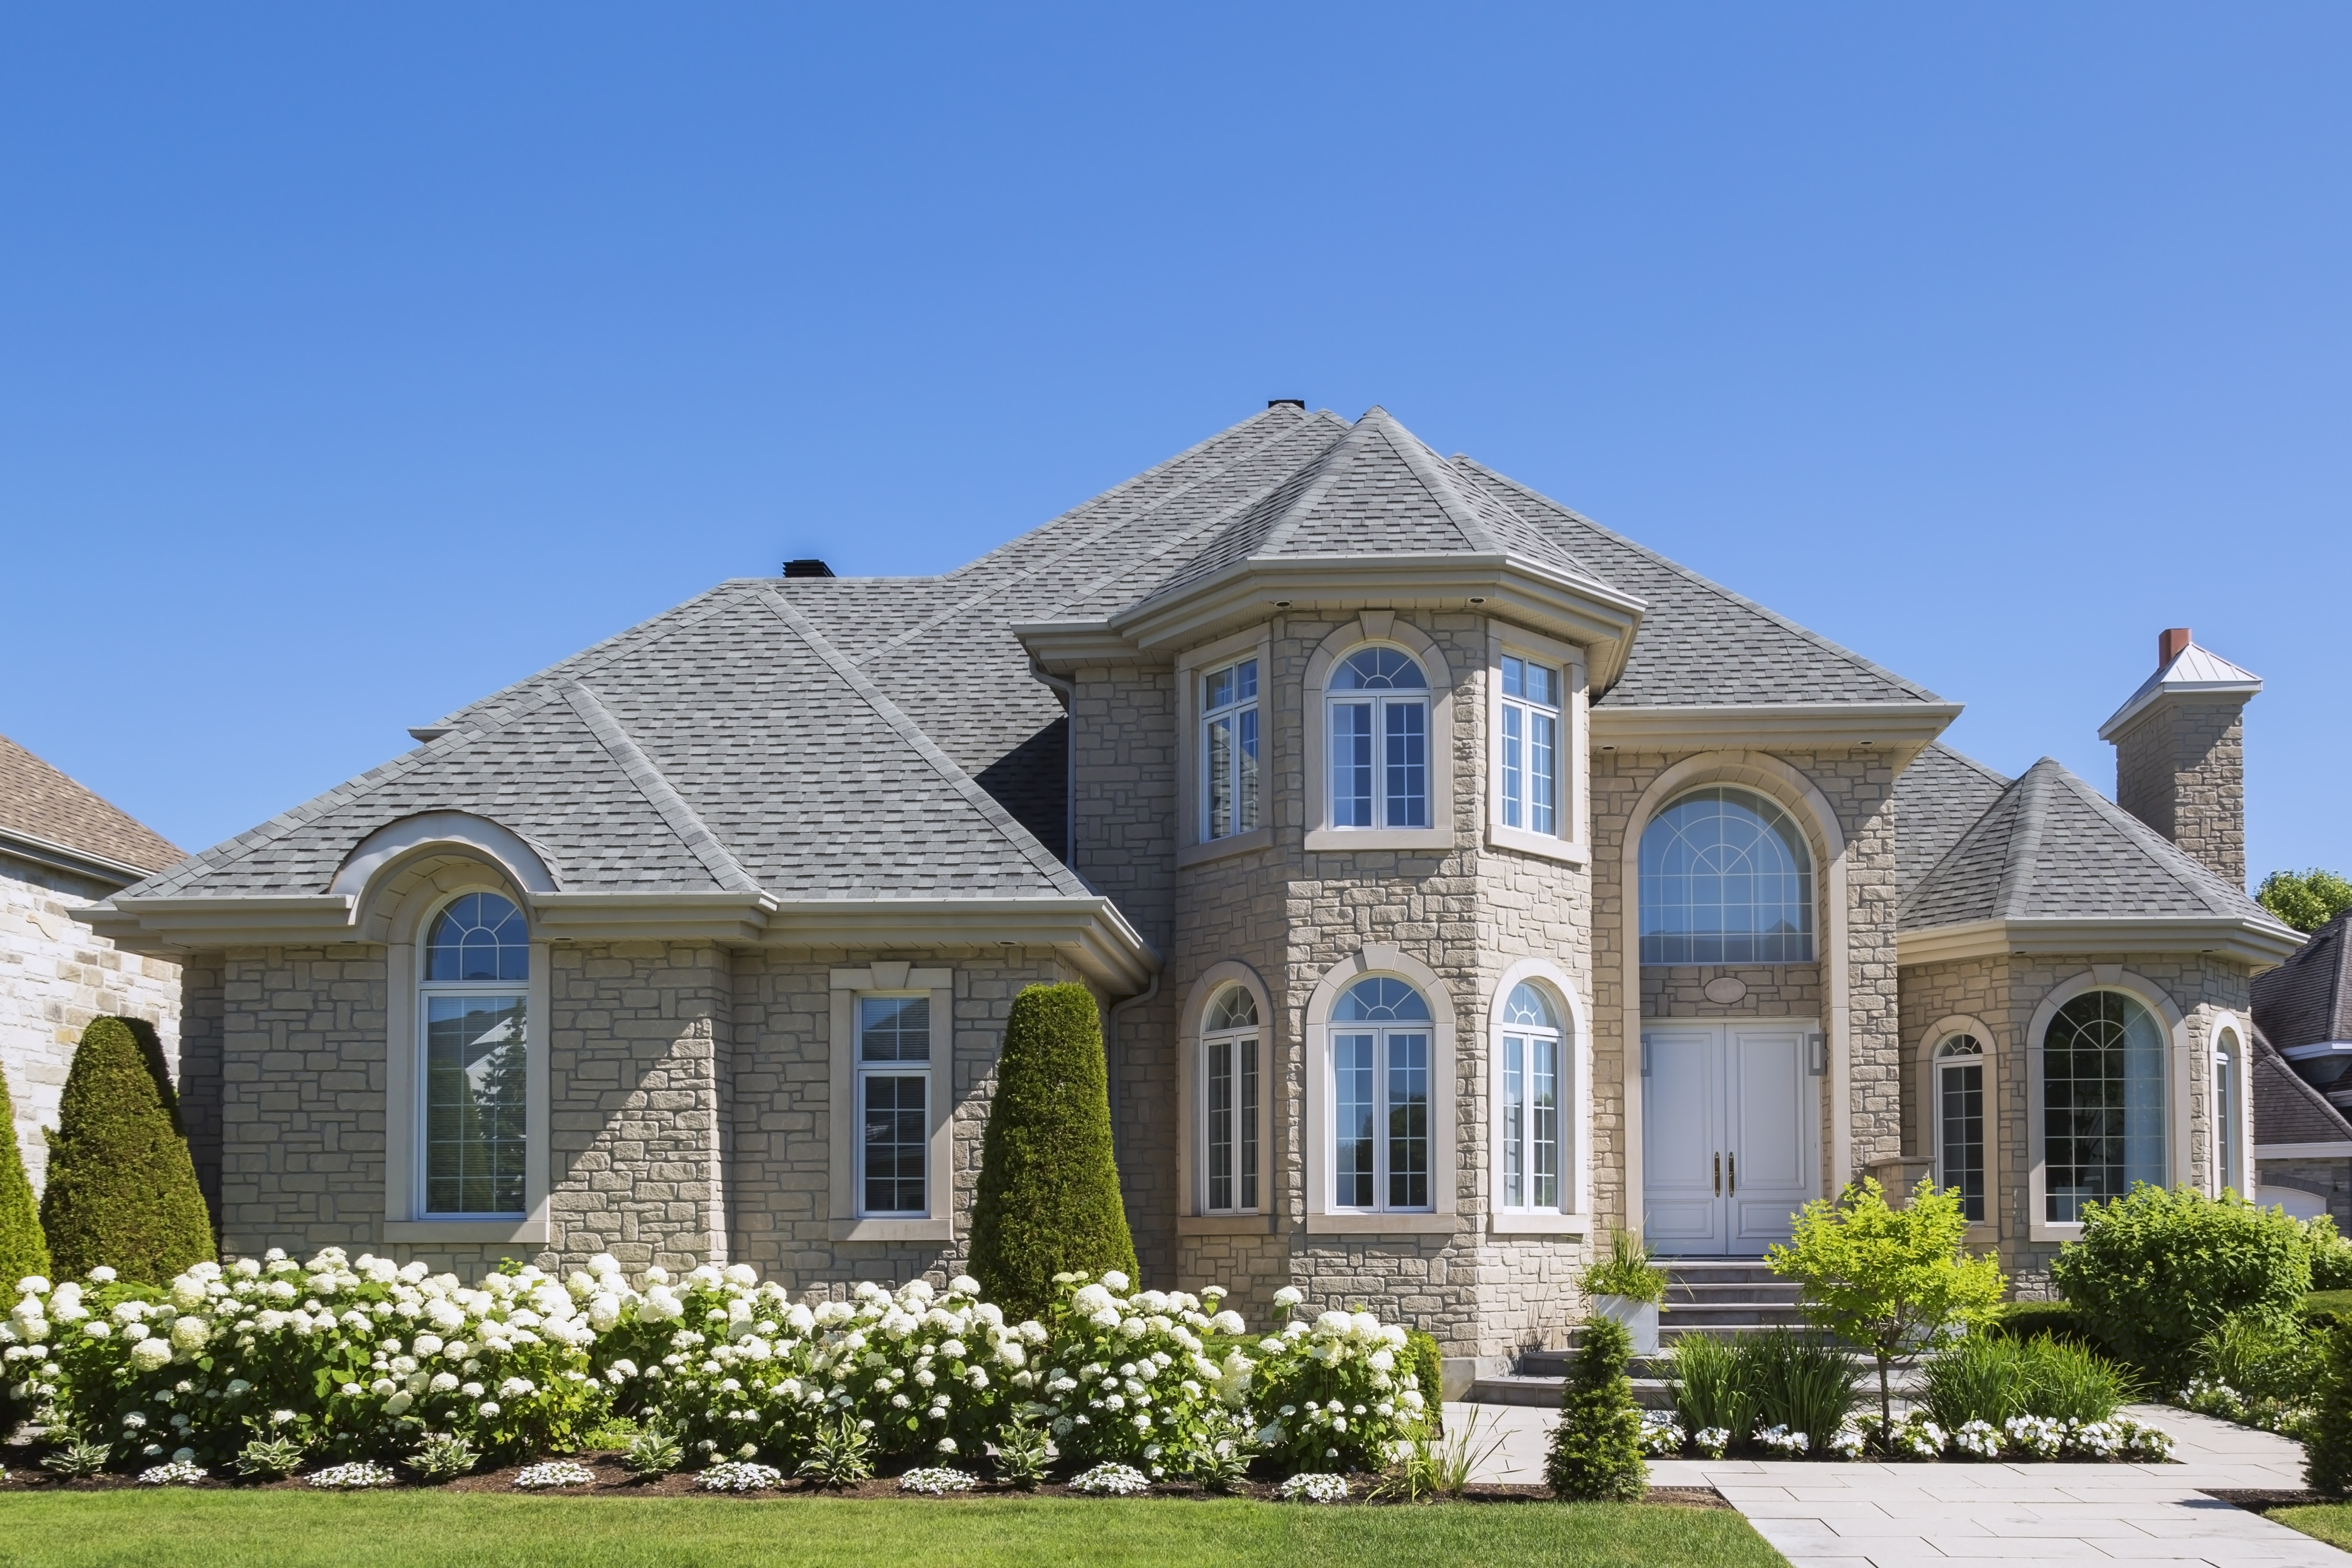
(1299, 402)
(807, 569)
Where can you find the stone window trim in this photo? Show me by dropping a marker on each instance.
(2243, 1179)
(1805, 801)
(1574, 1215)
(1987, 1231)
(1322, 1219)
(1377, 627)
(898, 979)
(1573, 843)
(1191, 1179)
(2175, 1023)
(432, 886)
(1191, 666)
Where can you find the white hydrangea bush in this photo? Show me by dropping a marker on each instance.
(1338, 1393)
(1127, 1375)
(349, 1357)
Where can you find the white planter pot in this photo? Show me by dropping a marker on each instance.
(1639, 1318)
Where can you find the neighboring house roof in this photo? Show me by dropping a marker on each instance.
(1936, 799)
(51, 818)
(2288, 1110)
(2307, 1000)
(2053, 861)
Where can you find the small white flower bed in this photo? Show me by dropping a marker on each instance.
(1711, 1441)
(1314, 1488)
(1662, 1435)
(1978, 1439)
(360, 1476)
(936, 1481)
(554, 1473)
(739, 1475)
(1785, 1442)
(173, 1473)
(2035, 1436)
(1111, 1480)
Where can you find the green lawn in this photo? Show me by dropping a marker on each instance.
(2331, 1522)
(295, 1530)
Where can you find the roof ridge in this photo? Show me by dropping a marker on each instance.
(2024, 857)
(1962, 841)
(891, 714)
(1326, 465)
(1436, 477)
(2202, 880)
(1701, 580)
(672, 807)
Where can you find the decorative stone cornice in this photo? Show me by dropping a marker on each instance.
(2255, 944)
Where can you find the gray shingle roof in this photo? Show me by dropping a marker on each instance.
(2287, 1108)
(2053, 847)
(1938, 798)
(2308, 999)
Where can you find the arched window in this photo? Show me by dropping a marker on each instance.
(2103, 1101)
(1530, 1137)
(1380, 1032)
(2229, 1106)
(1726, 878)
(476, 1047)
(1960, 1120)
(1378, 704)
(1229, 1102)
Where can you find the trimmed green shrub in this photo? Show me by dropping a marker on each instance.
(121, 1189)
(1428, 1366)
(23, 1248)
(1596, 1449)
(2331, 1255)
(2327, 1437)
(2157, 1270)
(1047, 1200)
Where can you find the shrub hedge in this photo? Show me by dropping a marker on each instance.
(2158, 1269)
(1047, 1200)
(23, 1250)
(121, 1189)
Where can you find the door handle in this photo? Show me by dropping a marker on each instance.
(1735, 1174)
(1718, 1175)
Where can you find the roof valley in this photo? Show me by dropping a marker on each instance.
(668, 803)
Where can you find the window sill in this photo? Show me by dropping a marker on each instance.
(1348, 840)
(1218, 848)
(893, 1230)
(493, 1232)
(1526, 843)
(1382, 1223)
(1538, 1224)
(1224, 1225)
(2048, 1230)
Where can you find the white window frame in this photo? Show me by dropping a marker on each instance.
(1191, 1176)
(1986, 1231)
(1324, 1215)
(1193, 668)
(2169, 1017)
(1379, 629)
(1242, 1049)
(1573, 1215)
(2239, 1173)
(1947, 1061)
(1570, 841)
(428, 991)
(848, 1223)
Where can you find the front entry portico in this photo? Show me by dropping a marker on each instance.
(1729, 1133)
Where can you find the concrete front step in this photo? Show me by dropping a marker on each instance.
(1515, 1388)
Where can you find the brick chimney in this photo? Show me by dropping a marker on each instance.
(2180, 751)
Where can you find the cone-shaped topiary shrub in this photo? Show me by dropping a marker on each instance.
(1596, 1449)
(23, 1250)
(2328, 1436)
(121, 1189)
(1048, 1197)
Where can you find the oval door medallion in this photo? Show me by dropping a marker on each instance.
(1726, 989)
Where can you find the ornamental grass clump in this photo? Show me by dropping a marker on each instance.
(1335, 1394)
(1596, 1449)
(1711, 1391)
(121, 1189)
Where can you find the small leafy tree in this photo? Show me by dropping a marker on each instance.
(121, 1189)
(23, 1250)
(1596, 1449)
(2158, 1269)
(1048, 1199)
(1890, 1281)
(2305, 902)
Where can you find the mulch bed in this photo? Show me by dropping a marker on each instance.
(23, 1464)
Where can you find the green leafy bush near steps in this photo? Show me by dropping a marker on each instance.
(121, 1189)
(1047, 1200)
(2158, 1269)
(1596, 1449)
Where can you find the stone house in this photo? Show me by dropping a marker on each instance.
(2302, 1090)
(1458, 879)
(62, 848)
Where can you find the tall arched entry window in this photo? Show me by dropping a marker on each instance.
(1229, 1103)
(1960, 1121)
(2228, 1111)
(1380, 1070)
(1726, 878)
(2103, 1101)
(1532, 1079)
(472, 1009)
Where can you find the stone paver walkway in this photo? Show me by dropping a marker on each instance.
(1840, 1515)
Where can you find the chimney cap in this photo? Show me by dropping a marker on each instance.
(807, 569)
(2190, 673)
(1297, 403)
(2170, 644)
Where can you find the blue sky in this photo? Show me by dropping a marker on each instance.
(357, 360)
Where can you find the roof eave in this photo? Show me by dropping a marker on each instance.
(1900, 726)
(2258, 944)
(59, 857)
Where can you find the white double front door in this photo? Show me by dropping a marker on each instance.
(1730, 1114)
